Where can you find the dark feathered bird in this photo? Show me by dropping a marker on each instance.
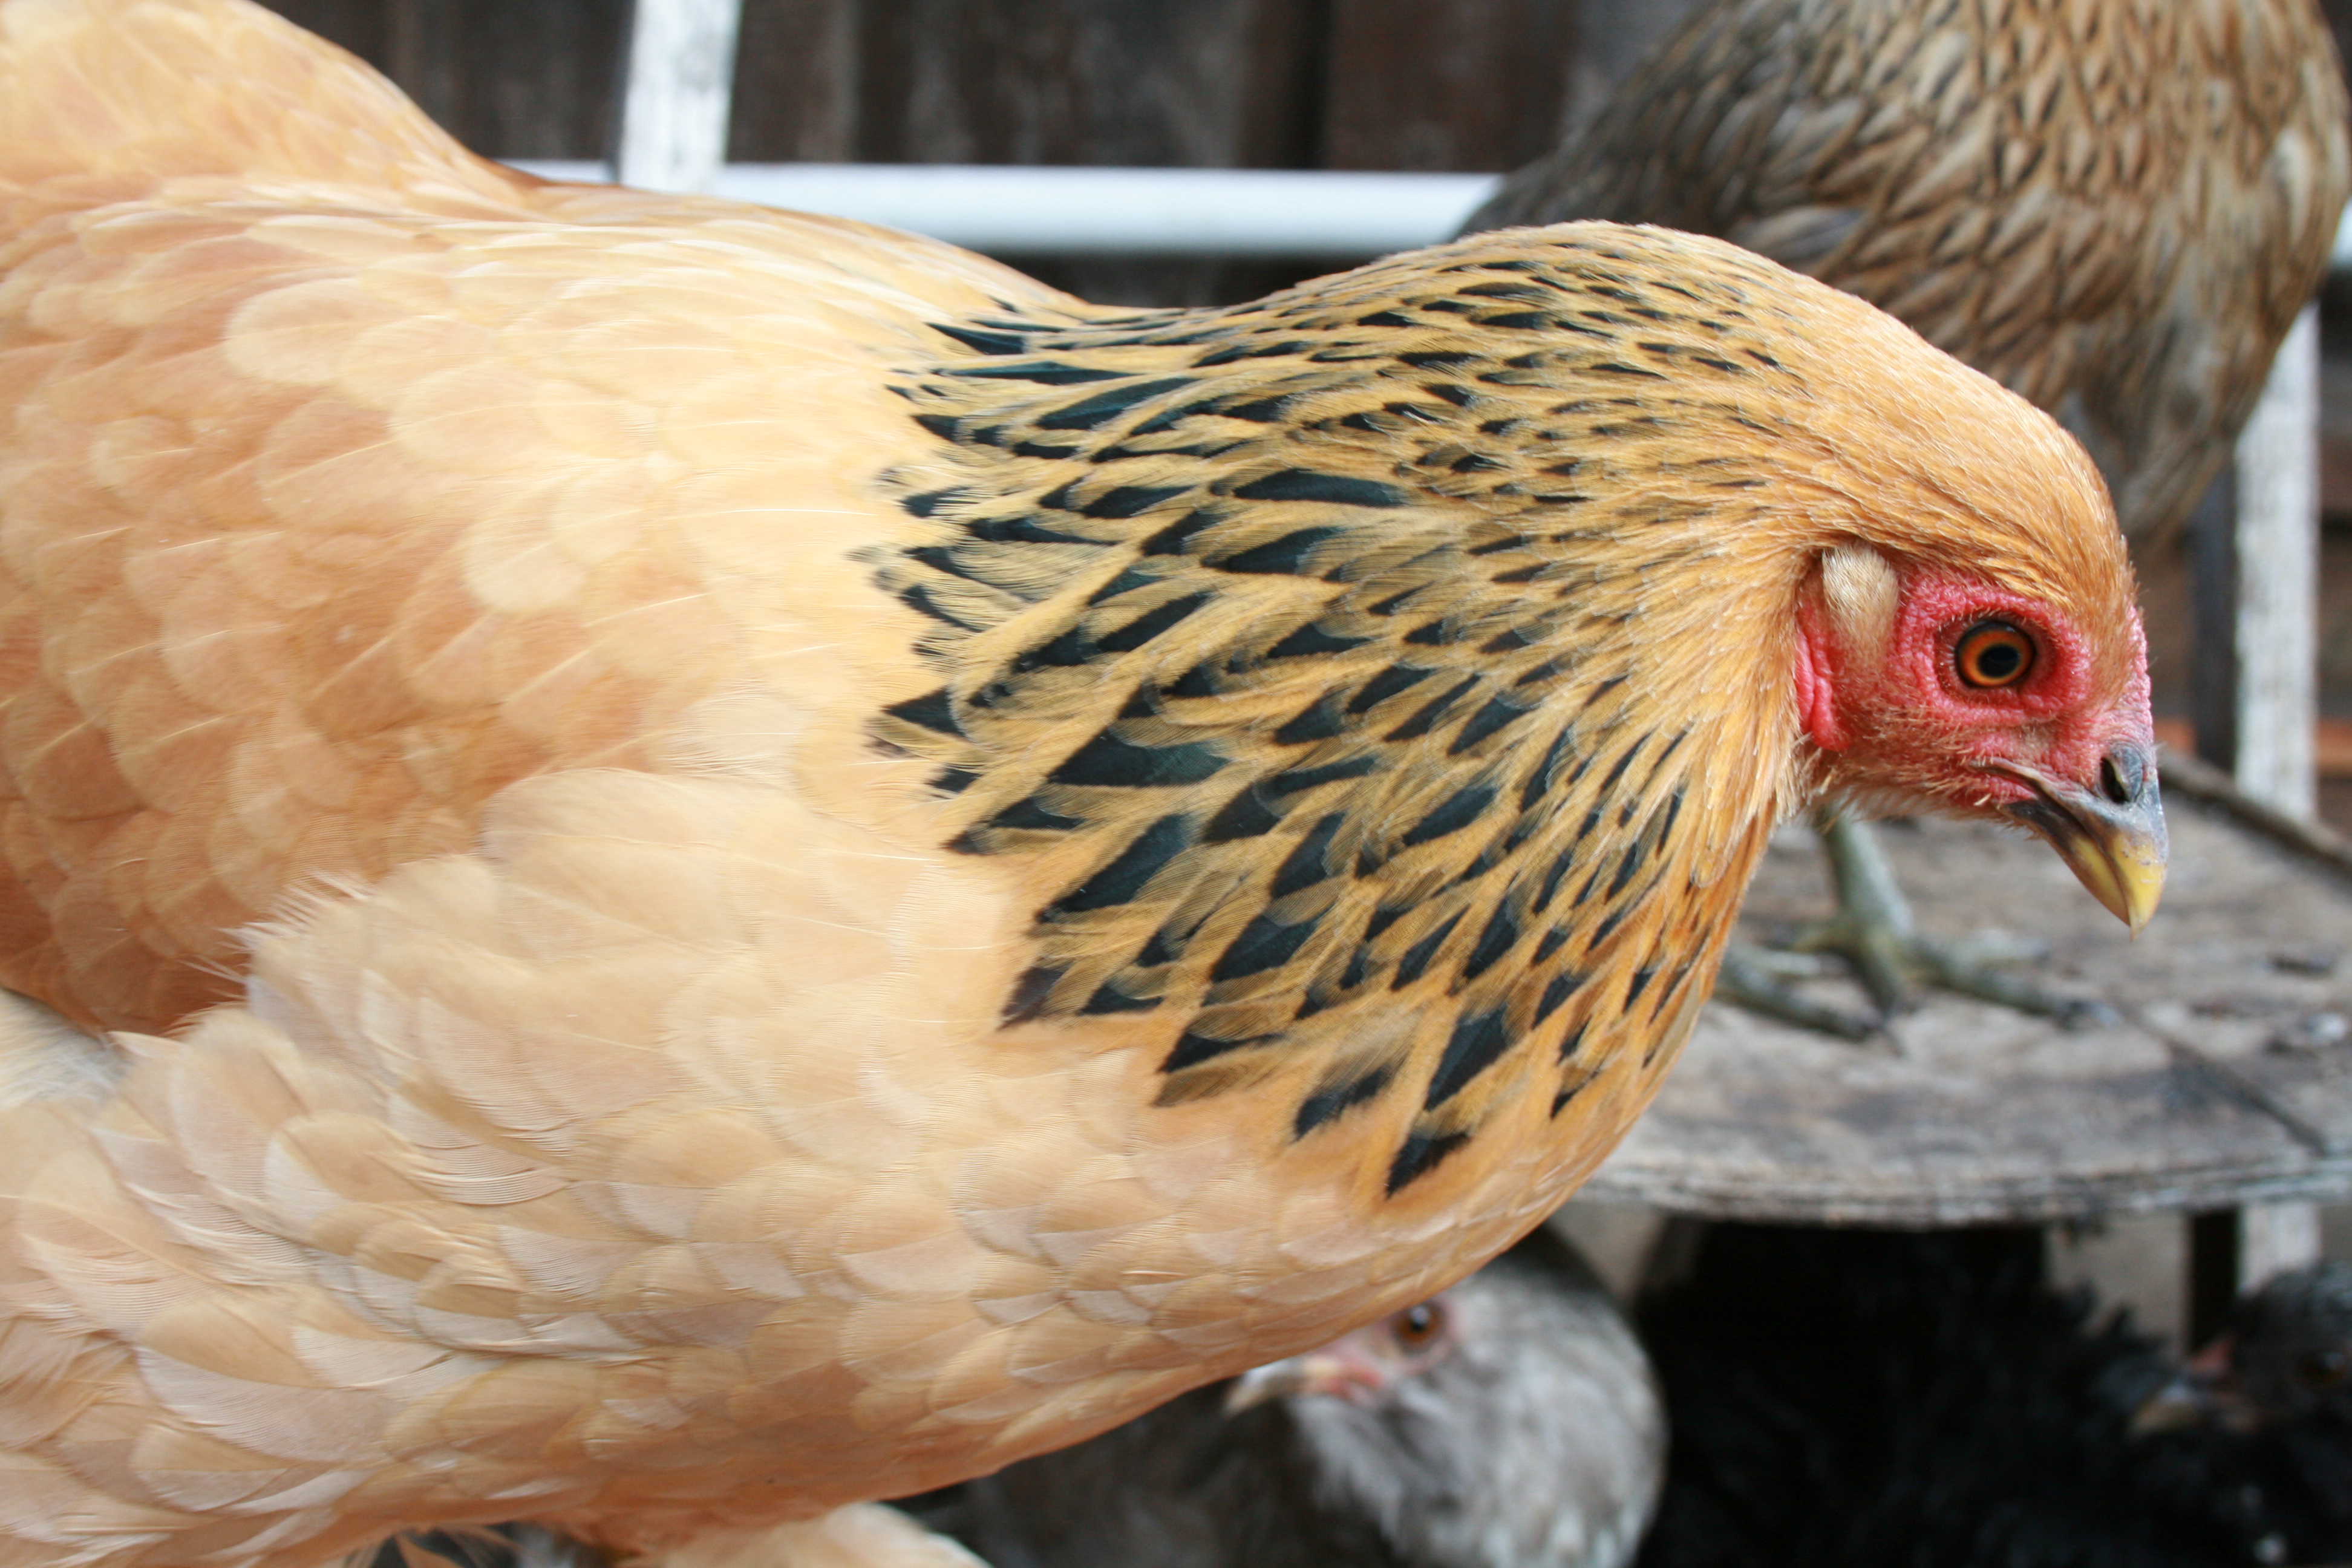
(870, 1535)
(2280, 1382)
(1510, 1423)
(1875, 1398)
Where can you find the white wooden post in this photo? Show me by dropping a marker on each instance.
(2278, 669)
(2278, 579)
(2273, 1238)
(2135, 1260)
(676, 91)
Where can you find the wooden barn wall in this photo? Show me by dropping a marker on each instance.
(1290, 84)
(1361, 84)
(1349, 84)
(513, 78)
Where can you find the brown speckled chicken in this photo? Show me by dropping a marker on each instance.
(2114, 207)
(742, 863)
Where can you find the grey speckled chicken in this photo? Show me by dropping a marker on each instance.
(1511, 1422)
(2114, 207)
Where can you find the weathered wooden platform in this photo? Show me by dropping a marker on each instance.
(2225, 1077)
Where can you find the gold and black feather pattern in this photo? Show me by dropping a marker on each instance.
(1360, 769)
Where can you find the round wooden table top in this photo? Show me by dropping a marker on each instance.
(2224, 1078)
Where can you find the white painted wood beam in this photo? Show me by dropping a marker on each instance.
(2277, 632)
(676, 93)
(2277, 642)
(2273, 1238)
(1020, 209)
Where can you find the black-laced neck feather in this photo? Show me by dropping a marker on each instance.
(1384, 669)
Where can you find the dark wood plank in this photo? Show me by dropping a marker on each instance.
(796, 83)
(426, 52)
(1209, 83)
(521, 78)
(1444, 85)
(359, 26)
(2340, 21)
(2212, 550)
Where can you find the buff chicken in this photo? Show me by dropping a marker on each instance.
(2114, 207)
(711, 864)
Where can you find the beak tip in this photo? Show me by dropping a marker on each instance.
(2142, 876)
(2125, 876)
(1243, 1395)
(2136, 905)
(2116, 850)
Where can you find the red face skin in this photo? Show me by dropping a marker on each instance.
(1900, 721)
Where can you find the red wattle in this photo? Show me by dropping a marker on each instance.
(1816, 705)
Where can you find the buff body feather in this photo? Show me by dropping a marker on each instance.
(736, 863)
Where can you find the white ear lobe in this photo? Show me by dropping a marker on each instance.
(1860, 591)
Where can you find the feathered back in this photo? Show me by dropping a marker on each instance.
(122, 95)
(397, 446)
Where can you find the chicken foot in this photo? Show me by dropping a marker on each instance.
(1873, 932)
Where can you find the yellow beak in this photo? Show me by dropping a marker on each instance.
(2112, 839)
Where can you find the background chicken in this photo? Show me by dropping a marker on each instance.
(2273, 1396)
(1508, 1423)
(2115, 208)
(868, 870)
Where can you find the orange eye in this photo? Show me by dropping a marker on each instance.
(1416, 1327)
(1993, 654)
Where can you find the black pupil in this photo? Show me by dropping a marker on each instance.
(1999, 661)
(1417, 1322)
